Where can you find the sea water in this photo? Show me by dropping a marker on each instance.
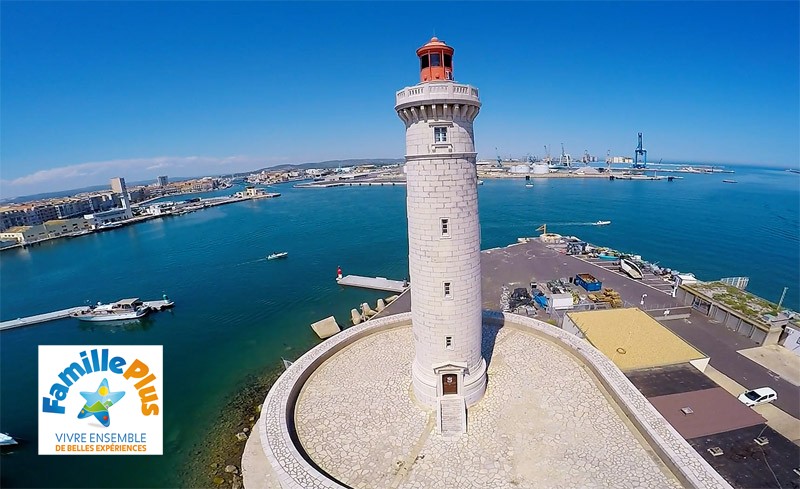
(237, 314)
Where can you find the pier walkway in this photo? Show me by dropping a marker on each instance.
(42, 318)
(376, 283)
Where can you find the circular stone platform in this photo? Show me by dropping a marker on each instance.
(557, 413)
(544, 422)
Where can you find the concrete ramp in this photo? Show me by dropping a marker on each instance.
(326, 328)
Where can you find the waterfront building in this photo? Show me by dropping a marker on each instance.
(119, 188)
(69, 208)
(25, 234)
(31, 214)
(61, 227)
(106, 217)
(162, 181)
(443, 230)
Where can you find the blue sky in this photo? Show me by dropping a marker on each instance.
(94, 90)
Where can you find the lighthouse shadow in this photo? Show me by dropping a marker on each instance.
(491, 329)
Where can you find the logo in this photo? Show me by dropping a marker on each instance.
(81, 387)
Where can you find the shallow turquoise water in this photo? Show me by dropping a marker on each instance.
(237, 313)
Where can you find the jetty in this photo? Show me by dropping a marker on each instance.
(43, 318)
(375, 283)
(157, 305)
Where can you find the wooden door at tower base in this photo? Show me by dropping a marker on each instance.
(449, 384)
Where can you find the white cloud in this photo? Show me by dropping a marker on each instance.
(134, 169)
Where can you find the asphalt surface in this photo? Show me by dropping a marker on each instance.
(519, 264)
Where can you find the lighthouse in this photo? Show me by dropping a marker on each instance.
(443, 234)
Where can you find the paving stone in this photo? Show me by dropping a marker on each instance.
(529, 430)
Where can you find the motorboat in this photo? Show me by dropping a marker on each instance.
(121, 310)
(602, 223)
(528, 185)
(729, 181)
(6, 440)
(278, 255)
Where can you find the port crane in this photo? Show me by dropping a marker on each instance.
(499, 160)
(547, 154)
(640, 151)
(565, 159)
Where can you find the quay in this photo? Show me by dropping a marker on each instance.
(375, 283)
(366, 183)
(42, 318)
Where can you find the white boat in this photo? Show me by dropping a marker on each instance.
(121, 310)
(602, 223)
(275, 256)
(480, 182)
(632, 269)
(528, 185)
(6, 440)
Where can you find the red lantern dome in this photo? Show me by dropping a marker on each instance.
(435, 61)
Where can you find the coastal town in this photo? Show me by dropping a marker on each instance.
(277, 245)
(30, 222)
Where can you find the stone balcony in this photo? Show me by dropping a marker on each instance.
(437, 92)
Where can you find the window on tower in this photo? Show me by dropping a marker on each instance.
(448, 342)
(445, 227)
(447, 290)
(436, 59)
(448, 61)
(440, 134)
(423, 61)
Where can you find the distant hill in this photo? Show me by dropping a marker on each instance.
(335, 164)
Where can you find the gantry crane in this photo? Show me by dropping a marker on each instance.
(640, 151)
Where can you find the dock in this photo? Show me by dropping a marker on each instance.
(158, 305)
(375, 283)
(42, 318)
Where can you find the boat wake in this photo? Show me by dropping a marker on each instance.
(598, 223)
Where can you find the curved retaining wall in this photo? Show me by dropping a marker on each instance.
(294, 471)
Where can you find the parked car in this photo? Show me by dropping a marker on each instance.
(754, 397)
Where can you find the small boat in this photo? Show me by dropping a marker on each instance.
(121, 310)
(528, 185)
(631, 268)
(729, 181)
(480, 182)
(6, 440)
(602, 223)
(275, 256)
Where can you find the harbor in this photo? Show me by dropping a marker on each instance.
(247, 313)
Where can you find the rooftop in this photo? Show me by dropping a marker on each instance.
(712, 411)
(17, 229)
(738, 300)
(632, 339)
